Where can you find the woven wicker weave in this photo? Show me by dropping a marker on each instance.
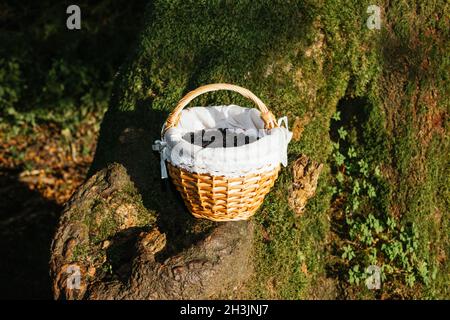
(221, 198)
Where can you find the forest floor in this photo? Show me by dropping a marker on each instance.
(54, 87)
(41, 165)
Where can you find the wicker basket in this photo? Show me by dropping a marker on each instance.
(221, 198)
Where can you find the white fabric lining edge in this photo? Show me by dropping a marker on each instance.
(259, 156)
(197, 170)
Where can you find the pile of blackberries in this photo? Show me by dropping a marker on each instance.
(218, 138)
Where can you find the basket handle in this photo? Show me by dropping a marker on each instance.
(267, 116)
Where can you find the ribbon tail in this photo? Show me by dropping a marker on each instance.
(283, 120)
(161, 147)
(163, 169)
(286, 137)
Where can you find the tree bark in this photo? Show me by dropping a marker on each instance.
(134, 251)
(126, 232)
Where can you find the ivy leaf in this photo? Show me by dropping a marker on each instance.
(423, 271)
(348, 253)
(356, 188)
(410, 279)
(351, 152)
(339, 158)
(391, 223)
(371, 191)
(355, 204)
(333, 190)
(363, 167)
(377, 172)
(336, 116)
(342, 133)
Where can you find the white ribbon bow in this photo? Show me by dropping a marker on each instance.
(287, 137)
(161, 146)
(283, 120)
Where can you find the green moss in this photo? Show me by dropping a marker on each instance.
(103, 221)
(80, 252)
(263, 45)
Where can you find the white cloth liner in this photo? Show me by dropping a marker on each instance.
(259, 156)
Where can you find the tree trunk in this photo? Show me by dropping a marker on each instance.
(129, 233)
(108, 237)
